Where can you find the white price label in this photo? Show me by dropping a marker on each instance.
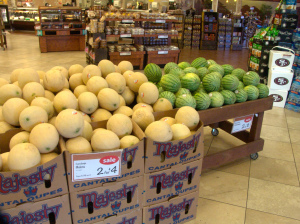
(66, 27)
(242, 123)
(162, 52)
(190, 28)
(38, 27)
(160, 21)
(127, 21)
(162, 36)
(125, 53)
(126, 35)
(96, 165)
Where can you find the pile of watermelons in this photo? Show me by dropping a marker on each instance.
(204, 83)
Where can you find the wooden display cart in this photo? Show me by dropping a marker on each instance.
(136, 58)
(162, 57)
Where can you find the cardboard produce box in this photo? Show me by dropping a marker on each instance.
(131, 162)
(34, 184)
(54, 210)
(177, 181)
(134, 217)
(116, 198)
(177, 210)
(280, 78)
(279, 96)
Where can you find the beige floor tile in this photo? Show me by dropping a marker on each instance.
(296, 151)
(276, 120)
(239, 167)
(276, 111)
(293, 122)
(271, 133)
(290, 113)
(274, 198)
(224, 187)
(212, 212)
(256, 217)
(208, 137)
(298, 170)
(277, 150)
(294, 134)
(274, 170)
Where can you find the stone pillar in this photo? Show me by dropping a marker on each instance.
(215, 5)
(238, 7)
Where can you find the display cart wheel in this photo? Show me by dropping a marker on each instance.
(215, 132)
(254, 156)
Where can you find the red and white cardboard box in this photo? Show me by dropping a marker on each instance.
(279, 97)
(134, 217)
(177, 210)
(115, 198)
(282, 59)
(162, 185)
(280, 79)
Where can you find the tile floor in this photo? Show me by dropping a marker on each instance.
(252, 192)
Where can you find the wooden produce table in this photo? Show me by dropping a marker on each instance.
(136, 58)
(155, 57)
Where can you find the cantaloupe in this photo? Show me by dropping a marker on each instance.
(9, 91)
(143, 105)
(49, 95)
(139, 99)
(88, 102)
(65, 100)
(27, 75)
(100, 115)
(32, 116)
(128, 141)
(95, 84)
(105, 140)
(106, 67)
(4, 157)
(46, 157)
(87, 131)
(180, 131)
(80, 89)
(193, 132)
(32, 90)
(3, 82)
(16, 83)
(44, 103)
(124, 110)
(136, 80)
(188, 116)
(78, 145)
(122, 101)
(162, 104)
(148, 93)
(98, 130)
(120, 124)
(12, 109)
(159, 131)
(89, 72)
(143, 117)
(125, 66)
(54, 81)
(108, 99)
(75, 80)
(42, 83)
(127, 74)
(116, 81)
(15, 74)
(117, 69)
(69, 123)
(169, 120)
(63, 70)
(23, 156)
(128, 95)
(66, 86)
(1, 116)
(86, 117)
(41, 74)
(21, 137)
(52, 120)
(77, 68)
(45, 137)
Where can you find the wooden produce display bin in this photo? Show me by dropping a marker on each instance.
(136, 58)
(160, 57)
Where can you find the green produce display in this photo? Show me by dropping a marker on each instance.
(153, 72)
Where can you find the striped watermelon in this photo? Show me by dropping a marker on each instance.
(184, 65)
(229, 97)
(251, 78)
(211, 83)
(239, 73)
(170, 83)
(217, 74)
(185, 100)
(252, 92)
(202, 101)
(210, 62)
(190, 81)
(182, 91)
(230, 82)
(200, 90)
(169, 96)
(153, 72)
(227, 69)
(177, 71)
(241, 85)
(221, 88)
(241, 95)
(160, 89)
(191, 70)
(263, 90)
(169, 66)
(217, 99)
(202, 72)
(216, 68)
(199, 62)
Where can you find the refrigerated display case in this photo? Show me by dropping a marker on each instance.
(5, 15)
(24, 18)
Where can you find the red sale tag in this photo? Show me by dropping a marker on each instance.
(242, 123)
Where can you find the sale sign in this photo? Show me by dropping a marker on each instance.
(242, 123)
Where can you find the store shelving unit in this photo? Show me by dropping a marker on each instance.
(237, 33)
(196, 31)
(94, 54)
(209, 31)
(188, 31)
(179, 26)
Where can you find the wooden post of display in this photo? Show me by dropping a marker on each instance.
(238, 7)
(215, 5)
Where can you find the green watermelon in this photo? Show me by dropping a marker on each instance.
(177, 71)
(160, 89)
(185, 100)
(241, 95)
(251, 78)
(190, 81)
(230, 82)
(227, 69)
(211, 83)
(217, 74)
(182, 91)
(184, 65)
(170, 83)
(191, 70)
(210, 62)
(153, 72)
(263, 90)
(217, 99)
(252, 92)
(216, 68)
(199, 62)
(202, 101)
(229, 97)
(169, 66)
(169, 96)
(241, 85)
(239, 73)
(202, 72)
(221, 88)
